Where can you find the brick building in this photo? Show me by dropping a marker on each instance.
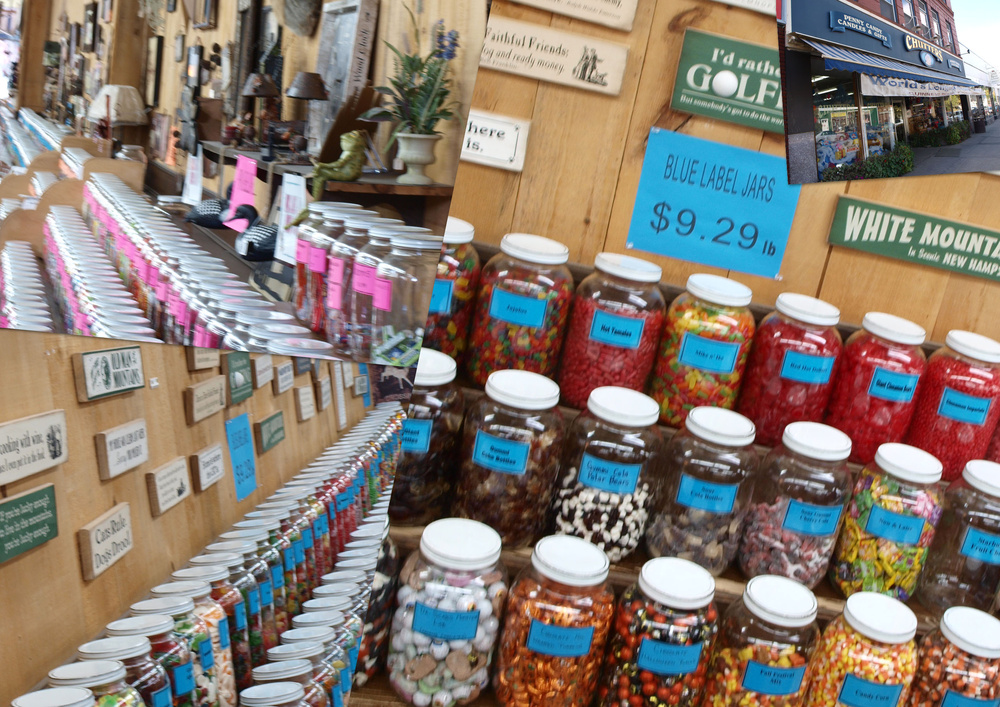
(933, 20)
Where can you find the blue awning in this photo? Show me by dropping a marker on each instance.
(865, 63)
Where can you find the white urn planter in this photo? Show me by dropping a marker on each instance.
(416, 152)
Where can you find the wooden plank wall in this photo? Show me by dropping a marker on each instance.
(46, 609)
(585, 155)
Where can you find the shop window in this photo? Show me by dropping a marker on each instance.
(909, 17)
(838, 140)
(936, 25)
(949, 38)
(924, 22)
(889, 9)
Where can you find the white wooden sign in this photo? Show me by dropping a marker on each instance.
(205, 399)
(263, 370)
(122, 448)
(199, 359)
(324, 392)
(619, 14)
(767, 7)
(99, 374)
(168, 486)
(31, 445)
(208, 466)
(338, 378)
(105, 540)
(305, 403)
(547, 54)
(360, 386)
(284, 377)
(495, 140)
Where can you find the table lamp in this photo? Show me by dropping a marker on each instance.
(307, 86)
(260, 85)
(116, 106)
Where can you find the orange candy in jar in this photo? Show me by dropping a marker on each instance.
(558, 618)
(866, 656)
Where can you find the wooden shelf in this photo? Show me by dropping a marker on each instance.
(379, 693)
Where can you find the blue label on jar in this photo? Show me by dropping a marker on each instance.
(445, 625)
(894, 527)
(336, 696)
(668, 659)
(253, 599)
(205, 655)
(772, 680)
(517, 309)
(307, 537)
(504, 455)
(183, 679)
(441, 296)
(810, 519)
(706, 496)
(322, 526)
(224, 632)
(708, 354)
(278, 576)
(345, 678)
(559, 641)
(804, 368)
(616, 330)
(856, 692)
(289, 555)
(353, 655)
(963, 408)
(953, 699)
(343, 501)
(892, 386)
(299, 550)
(608, 476)
(162, 698)
(240, 613)
(417, 436)
(982, 546)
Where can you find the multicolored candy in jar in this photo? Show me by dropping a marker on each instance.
(704, 348)
(453, 298)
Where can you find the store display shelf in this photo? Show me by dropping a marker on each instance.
(379, 693)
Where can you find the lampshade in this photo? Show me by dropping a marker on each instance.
(260, 86)
(308, 86)
(127, 107)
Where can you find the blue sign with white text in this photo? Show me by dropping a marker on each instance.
(240, 442)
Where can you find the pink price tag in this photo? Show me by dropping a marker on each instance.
(302, 251)
(317, 259)
(243, 189)
(334, 296)
(162, 290)
(383, 294)
(173, 302)
(336, 272)
(80, 321)
(363, 281)
(199, 335)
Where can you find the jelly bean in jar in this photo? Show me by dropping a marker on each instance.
(614, 329)
(522, 308)
(704, 348)
(453, 298)
(146, 675)
(105, 678)
(792, 364)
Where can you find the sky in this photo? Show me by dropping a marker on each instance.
(977, 23)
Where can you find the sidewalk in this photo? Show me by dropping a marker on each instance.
(980, 153)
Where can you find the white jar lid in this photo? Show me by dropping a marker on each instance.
(311, 634)
(908, 463)
(334, 603)
(87, 673)
(254, 535)
(719, 290)
(677, 583)
(272, 693)
(245, 547)
(163, 606)
(345, 589)
(972, 631)
(282, 670)
(983, 475)
(268, 332)
(183, 588)
(523, 390)
(145, 625)
(212, 559)
(534, 249)
(628, 268)
(893, 328)
(458, 231)
(570, 560)
(816, 441)
(119, 647)
(434, 368)
(212, 573)
(460, 544)
(338, 576)
(299, 347)
(807, 309)
(297, 650)
(56, 697)
(623, 406)
(369, 530)
(880, 618)
(720, 426)
(270, 523)
(370, 552)
(973, 345)
(780, 601)
(318, 618)
(357, 563)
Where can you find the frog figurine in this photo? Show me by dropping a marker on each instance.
(346, 169)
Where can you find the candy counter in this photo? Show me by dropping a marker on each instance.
(49, 134)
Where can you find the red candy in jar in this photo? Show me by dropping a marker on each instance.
(614, 328)
(957, 405)
(789, 377)
(874, 393)
(453, 298)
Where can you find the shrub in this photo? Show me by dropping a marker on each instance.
(888, 164)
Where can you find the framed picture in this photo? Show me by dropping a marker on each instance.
(154, 65)
(179, 48)
(194, 66)
(106, 8)
(99, 43)
(171, 5)
(159, 135)
(75, 33)
(89, 27)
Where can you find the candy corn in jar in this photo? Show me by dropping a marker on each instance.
(453, 297)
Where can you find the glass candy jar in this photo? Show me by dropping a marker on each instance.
(511, 447)
(889, 524)
(324, 673)
(147, 676)
(521, 309)
(704, 348)
(611, 456)
(700, 505)
(453, 298)
(874, 393)
(797, 505)
(274, 694)
(300, 671)
(559, 615)
(614, 329)
(104, 678)
(56, 697)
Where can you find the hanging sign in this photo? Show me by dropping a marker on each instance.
(305, 403)
(99, 374)
(121, 448)
(31, 445)
(547, 54)
(338, 377)
(892, 86)
(729, 80)
(199, 359)
(916, 238)
(293, 200)
(619, 14)
(270, 431)
(27, 520)
(302, 365)
(240, 443)
(243, 190)
(768, 7)
(192, 179)
(324, 392)
(105, 540)
(713, 204)
(168, 486)
(207, 467)
(263, 370)
(361, 385)
(284, 378)
(204, 399)
(495, 140)
(236, 368)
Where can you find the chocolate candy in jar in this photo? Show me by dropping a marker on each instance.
(559, 616)
(958, 403)
(104, 678)
(453, 297)
(374, 645)
(143, 673)
(963, 564)
(958, 664)
(766, 640)
(612, 452)
(798, 505)
(889, 524)
(701, 502)
(511, 447)
(451, 599)
(866, 655)
(431, 438)
(614, 328)
(56, 697)
(662, 638)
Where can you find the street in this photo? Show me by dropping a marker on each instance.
(980, 153)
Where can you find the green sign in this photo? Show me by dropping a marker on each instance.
(239, 377)
(27, 520)
(916, 238)
(271, 431)
(302, 365)
(729, 80)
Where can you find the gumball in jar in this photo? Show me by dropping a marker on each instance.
(958, 404)
(614, 328)
(792, 363)
(874, 392)
(453, 298)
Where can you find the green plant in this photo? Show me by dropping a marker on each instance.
(888, 164)
(417, 97)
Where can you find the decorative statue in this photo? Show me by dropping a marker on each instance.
(346, 169)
